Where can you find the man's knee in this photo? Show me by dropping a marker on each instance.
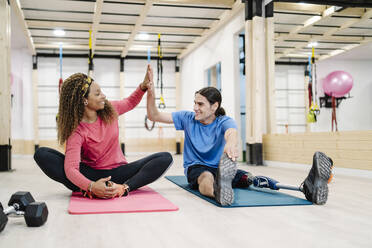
(205, 181)
(205, 177)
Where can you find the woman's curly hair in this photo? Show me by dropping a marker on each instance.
(71, 105)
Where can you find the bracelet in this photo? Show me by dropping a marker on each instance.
(126, 189)
(90, 187)
(89, 193)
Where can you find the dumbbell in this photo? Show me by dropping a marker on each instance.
(3, 218)
(22, 203)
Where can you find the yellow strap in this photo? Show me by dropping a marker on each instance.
(159, 48)
(316, 107)
(90, 39)
(312, 52)
(311, 117)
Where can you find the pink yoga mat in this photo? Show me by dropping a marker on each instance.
(144, 199)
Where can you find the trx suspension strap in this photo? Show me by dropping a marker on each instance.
(90, 59)
(147, 126)
(315, 95)
(160, 74)
(310, 88)
(310, 116)
(313, 109)
(148, 56)
(60, 73)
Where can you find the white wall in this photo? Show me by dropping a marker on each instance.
(353, 113)
(48, 95)
(107, 74)
(21, 89)
(221, 47)
(21, 83)
(290, 98)
(134, 72)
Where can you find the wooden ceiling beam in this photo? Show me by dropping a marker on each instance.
(307, 37)
(327, 13)
(140, 48)
(19, 13)
(77, 47)
(224, 19)
(221, 3)
(353, 11)
(171, 30)
(338, 51)
(328, 36)
(96, 21)
(59, 24)
(144, 49)
(137, 27)
(367, 15)
(299, 8)
(81, 26)
(116, 28)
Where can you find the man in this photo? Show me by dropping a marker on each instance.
(210, 151)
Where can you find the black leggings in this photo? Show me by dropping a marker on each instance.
(135, 174)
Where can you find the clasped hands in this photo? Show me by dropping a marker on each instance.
(106, 189)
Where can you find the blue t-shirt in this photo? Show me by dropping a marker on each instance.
(204, 144)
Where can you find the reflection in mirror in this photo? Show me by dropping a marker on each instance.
(213, 76)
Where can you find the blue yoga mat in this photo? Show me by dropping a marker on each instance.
(251, 197)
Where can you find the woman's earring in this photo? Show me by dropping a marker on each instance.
(85, 103)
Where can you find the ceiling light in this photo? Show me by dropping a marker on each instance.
(59, 32)
(312, 44)
(329, 11)
(143, 36)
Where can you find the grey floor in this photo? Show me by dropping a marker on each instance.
(345, 221)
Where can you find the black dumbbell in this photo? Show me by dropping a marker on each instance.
(3, 218)
(22, 203)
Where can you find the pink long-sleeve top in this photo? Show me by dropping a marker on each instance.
(97, 144)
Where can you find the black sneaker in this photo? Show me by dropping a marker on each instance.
(226, 171)
(315, 186)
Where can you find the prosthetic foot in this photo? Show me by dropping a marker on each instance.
(265, 182)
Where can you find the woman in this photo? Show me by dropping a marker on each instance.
(94, 162)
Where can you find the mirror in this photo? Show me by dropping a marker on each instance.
(213, 76)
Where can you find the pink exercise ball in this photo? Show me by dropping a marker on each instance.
(337, 83)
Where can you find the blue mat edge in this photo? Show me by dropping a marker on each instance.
(197, 193)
